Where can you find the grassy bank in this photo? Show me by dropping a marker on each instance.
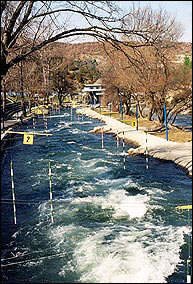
(174, 134)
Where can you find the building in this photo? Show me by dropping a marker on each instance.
(94, 92)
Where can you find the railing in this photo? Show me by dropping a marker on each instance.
(11, 109)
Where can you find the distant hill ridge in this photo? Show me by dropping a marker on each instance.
(95, 50)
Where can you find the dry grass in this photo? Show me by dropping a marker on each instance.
(174, 134)
(177, 135)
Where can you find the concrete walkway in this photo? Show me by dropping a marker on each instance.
(9, 124)
(179, 153)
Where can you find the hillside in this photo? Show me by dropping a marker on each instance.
(95, 50)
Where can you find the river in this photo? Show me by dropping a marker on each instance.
(114, 221)
(184, 121)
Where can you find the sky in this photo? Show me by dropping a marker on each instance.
(181, 10)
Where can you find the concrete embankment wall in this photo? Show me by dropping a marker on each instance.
(6, 137)
(179, 153)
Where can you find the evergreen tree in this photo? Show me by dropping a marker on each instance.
(187, 62)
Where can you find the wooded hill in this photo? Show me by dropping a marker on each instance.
(145, 76)
(97, 50)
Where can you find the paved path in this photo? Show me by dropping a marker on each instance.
(179, 153)
(9, 124)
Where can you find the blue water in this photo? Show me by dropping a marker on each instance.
(184, 121)
(114, 220)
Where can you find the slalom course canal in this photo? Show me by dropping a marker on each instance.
(114, 220)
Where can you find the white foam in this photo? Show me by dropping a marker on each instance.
(36, 183)
(84, 122)
(146, 253)
(76, 131)
(93, 162)
(120, 182)
(125, 259)
(123, 205)
(86, 147)
(84, 187)
(60, 127)
(58, 115)
(59, 232)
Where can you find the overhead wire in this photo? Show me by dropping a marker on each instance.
(39, 138)
(24, 254)
(34, 259)
(172, 206)
(21, 201)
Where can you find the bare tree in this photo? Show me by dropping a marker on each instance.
(27, 26)
(179, 95)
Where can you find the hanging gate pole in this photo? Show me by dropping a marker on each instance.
(123, 140)
(51, 205)
(102, 138)
(188, 262)
(117, 140)
(71, 113)
(189, 268)
(189, 265)
(123, 150)
(146, 153)
(45, 122)
(34, 125)
(13, 192)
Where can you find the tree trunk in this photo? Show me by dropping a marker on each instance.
(4, 66)
(140, 110)
(23, 105)
(174, 119)
(47, 98)
(30, 104)
(127, 107)
(22, 94)
(60, 99)
(150, 113)
(4, 100)
(4, 106)
(161, 117)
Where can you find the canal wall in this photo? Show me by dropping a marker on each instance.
(6, 137)
(157, 147)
